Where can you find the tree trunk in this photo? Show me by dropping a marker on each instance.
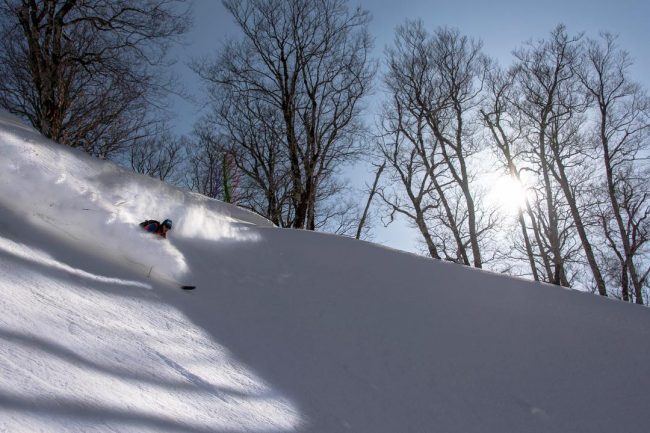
(553, 235)
(424, 230)
(628, 264)
(577, 218)
(373, 190)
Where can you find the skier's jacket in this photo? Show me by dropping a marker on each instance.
(153, 226)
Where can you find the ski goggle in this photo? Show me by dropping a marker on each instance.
(167, 223)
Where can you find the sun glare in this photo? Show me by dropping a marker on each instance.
(509, 194)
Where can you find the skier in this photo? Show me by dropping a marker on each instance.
(153, 226)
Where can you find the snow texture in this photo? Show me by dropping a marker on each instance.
(287, 330)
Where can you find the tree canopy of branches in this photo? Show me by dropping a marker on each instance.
(158, 155)
(622, 136)
(548, 110)
(565, 119)
(568, 114)
(84, 73)
(288, 95)
(429, 137)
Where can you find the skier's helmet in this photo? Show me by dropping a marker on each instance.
(167, 223)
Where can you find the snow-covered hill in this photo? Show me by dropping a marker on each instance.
(288, 330)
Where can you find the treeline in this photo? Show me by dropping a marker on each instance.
(566, 115)
(289, 107)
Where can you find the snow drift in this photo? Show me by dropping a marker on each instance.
(96, 203)
(288, 330)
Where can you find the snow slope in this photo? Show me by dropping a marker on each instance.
(288, 330)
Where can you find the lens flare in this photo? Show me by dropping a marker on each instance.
(510, 194)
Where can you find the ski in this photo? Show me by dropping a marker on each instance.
(188, 287)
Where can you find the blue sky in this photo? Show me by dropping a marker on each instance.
(501, 25)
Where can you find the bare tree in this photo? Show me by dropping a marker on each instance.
(435, 83)
(253, 135)
(159, 155)
(306, 62)
(84, 72)
(565, 139)
(632, 198)
(205, 163)
(338, 209)
(623, 130)
(544, 117)
(371, 194)
(541, 71)
(507, 136)
(461, 70)
(402, 146)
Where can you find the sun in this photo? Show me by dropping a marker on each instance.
(509, 194)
